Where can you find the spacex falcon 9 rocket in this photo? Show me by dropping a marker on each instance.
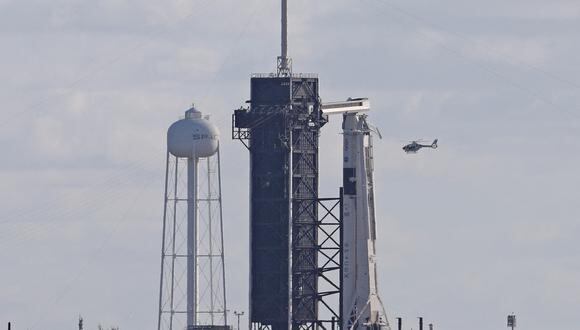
(362, 306)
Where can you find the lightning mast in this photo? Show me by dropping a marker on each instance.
(284, 62)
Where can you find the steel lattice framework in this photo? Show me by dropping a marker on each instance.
(304, 130)
(328, 254)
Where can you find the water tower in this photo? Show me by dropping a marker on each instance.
(192, 291)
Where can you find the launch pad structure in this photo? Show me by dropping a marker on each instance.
(281, 131)
(312, 259)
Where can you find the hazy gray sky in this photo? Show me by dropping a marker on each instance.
(486, 225)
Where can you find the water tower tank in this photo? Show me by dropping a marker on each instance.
(193, 136)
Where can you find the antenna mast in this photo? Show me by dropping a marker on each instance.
(284, 62)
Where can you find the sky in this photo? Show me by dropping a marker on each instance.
(484, 226)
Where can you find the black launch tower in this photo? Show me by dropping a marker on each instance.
(282, 126)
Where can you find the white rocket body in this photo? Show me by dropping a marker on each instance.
(362, 308)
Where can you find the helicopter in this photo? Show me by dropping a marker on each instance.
(414, 146)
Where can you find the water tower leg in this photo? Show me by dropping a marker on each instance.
(192, 242)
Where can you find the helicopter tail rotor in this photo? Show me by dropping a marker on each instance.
(434, 144)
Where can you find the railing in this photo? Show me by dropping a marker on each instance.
(294, 75)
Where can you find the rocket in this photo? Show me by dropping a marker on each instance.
(361, 305)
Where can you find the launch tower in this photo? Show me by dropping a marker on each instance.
(281, 129)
